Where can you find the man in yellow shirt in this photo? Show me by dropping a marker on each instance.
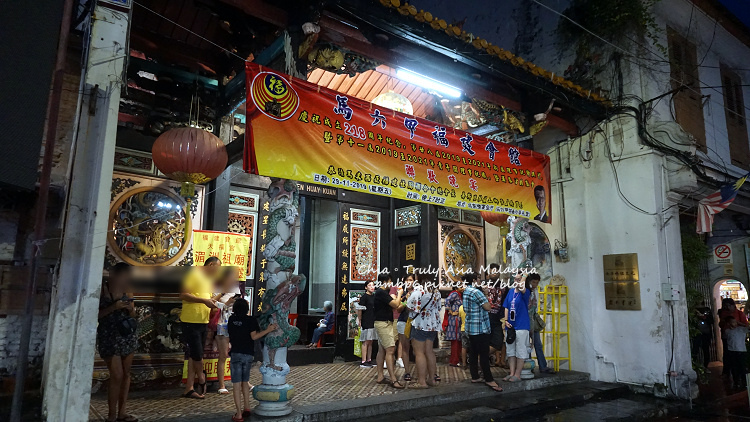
(196, 307)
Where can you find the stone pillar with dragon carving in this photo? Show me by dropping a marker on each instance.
(282, 287)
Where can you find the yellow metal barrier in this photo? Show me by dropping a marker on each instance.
(553, 308)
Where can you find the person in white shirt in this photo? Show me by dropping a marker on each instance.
(229, 291)
(737, 353)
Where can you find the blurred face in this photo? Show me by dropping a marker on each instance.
(121, 280)
(541, 200)
(733, 323)
(534, 284)
(370, 287)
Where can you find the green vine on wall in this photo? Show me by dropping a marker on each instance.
(619, 22)
(694, 252)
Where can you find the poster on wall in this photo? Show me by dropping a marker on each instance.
(210, 365)
(230, 248)
(341, 141)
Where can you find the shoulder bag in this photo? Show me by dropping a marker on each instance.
(407, 328)
(126, 325)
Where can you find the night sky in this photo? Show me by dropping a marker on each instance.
(740, 8)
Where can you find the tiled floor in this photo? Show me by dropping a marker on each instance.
(314, 384)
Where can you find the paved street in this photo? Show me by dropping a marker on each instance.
(314, 384)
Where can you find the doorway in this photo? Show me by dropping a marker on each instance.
(322, 280)
(727, 288)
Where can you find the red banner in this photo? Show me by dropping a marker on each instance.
(301, 131)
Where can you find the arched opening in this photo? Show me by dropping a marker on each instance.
(726, 288)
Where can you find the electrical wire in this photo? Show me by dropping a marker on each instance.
(232, 53)
(627, 53)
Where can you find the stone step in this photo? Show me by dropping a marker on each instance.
(411, 402)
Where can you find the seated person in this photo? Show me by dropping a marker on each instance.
(326, 324)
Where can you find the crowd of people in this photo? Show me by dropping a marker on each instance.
(207, 320)
(478, 319)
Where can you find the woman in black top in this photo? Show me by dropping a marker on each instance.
(367, 324)
(243, 330)
(116, 346)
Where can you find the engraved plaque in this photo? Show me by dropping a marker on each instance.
(621, 267)
(623, 295)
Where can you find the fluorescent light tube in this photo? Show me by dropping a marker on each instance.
(428, 83)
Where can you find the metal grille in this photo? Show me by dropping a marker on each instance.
(703, 285)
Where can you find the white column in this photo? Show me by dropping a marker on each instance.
(71, 337)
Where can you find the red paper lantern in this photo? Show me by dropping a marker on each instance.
(189, 155)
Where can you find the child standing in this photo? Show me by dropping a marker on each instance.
(737, 352)
(243, 331)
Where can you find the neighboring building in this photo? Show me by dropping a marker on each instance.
(677, 129)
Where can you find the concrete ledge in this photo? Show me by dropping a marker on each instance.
(411, 400)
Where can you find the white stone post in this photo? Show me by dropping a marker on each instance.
(69, 357)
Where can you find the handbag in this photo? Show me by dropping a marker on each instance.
(539, 323)
(510, 336)
(127, 326)
(213, 320)
(407, 328)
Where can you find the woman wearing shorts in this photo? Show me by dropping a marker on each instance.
(403, 342)
(424, 304)
(367, 324)
(243, 330)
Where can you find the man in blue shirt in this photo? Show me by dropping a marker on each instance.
(517, 316)
(477, 326)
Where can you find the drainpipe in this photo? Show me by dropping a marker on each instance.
(40, 220)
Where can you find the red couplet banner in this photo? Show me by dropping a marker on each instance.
(301, 131)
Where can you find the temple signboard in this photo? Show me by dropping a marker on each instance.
(304, 132)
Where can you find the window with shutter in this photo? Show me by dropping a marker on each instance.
(734, 105)
(688, 102)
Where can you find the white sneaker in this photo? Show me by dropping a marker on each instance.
(400, 363)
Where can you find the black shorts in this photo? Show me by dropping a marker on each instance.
(194, 340)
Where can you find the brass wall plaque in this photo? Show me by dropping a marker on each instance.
(623, 296)
(621, 267)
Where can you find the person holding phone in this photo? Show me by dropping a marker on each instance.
(477, 326)
(229, 289)
(517, 317)
(197, 303)
(116, 338)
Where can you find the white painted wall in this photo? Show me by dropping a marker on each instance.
(599, 222)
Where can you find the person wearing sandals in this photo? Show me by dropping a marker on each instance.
(117, 344)
(477, 326)
(453, 328)
(517, 316)
(385, 303)
(536, 338)
(403, 341)
(243, 331)
(366, 321)
(229, 290)
(197, 303)
(424, 304)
